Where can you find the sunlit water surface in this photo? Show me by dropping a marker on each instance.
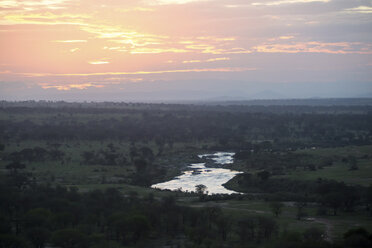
(196, 174)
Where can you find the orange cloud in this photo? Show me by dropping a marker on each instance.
(211, 49)
(224, 69)
(289, 37)
(312, 47)
(217, 59)
(98, 62)
(191, 61)
(136, 9)
(70, 41)
(208, 60)
(29, 4)
(81, 86)
(156, 50)
(47, 18)
(66, 37)
(281, 2)
(360, 10)
(167, 2)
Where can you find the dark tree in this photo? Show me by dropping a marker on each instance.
(38, 236)
(263, 175)
(314, 235)
(358, 238)
(14, 167)
(276, 208)
(200, 189)
(69, 238)
(353, 164)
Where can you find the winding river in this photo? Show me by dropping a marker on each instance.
(198, 173)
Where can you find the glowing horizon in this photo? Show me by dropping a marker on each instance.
(65, 44)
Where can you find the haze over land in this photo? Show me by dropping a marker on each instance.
(186, 123)
(152, 50)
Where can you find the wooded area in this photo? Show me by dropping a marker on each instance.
(78, 175)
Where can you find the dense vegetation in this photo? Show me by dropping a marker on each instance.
(36, 215)
(77, 175)
(230, 129)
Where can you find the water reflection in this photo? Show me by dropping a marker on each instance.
(220, 157)
(196, 174)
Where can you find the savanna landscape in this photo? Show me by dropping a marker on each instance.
(80, 175)
(185, 124)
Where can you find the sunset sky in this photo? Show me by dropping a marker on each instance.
(94, 49)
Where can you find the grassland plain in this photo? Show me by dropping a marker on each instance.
(73, 173)
(72, 170)
(172, 156)
(339, 171)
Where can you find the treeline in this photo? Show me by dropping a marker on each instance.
(35, 154)
(264, 156)
(295, 105)
(226, 129)
(330, 196)
(42, 216)
(37, 216)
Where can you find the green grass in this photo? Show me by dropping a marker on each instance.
(125, 189)
(338, 172)
(287, 220)
(73, 171)
(91, 177)
(239, 209)
(357, 151)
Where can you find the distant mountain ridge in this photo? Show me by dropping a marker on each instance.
(263, 102)
(300, 102)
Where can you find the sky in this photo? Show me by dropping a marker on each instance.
(184, 49)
